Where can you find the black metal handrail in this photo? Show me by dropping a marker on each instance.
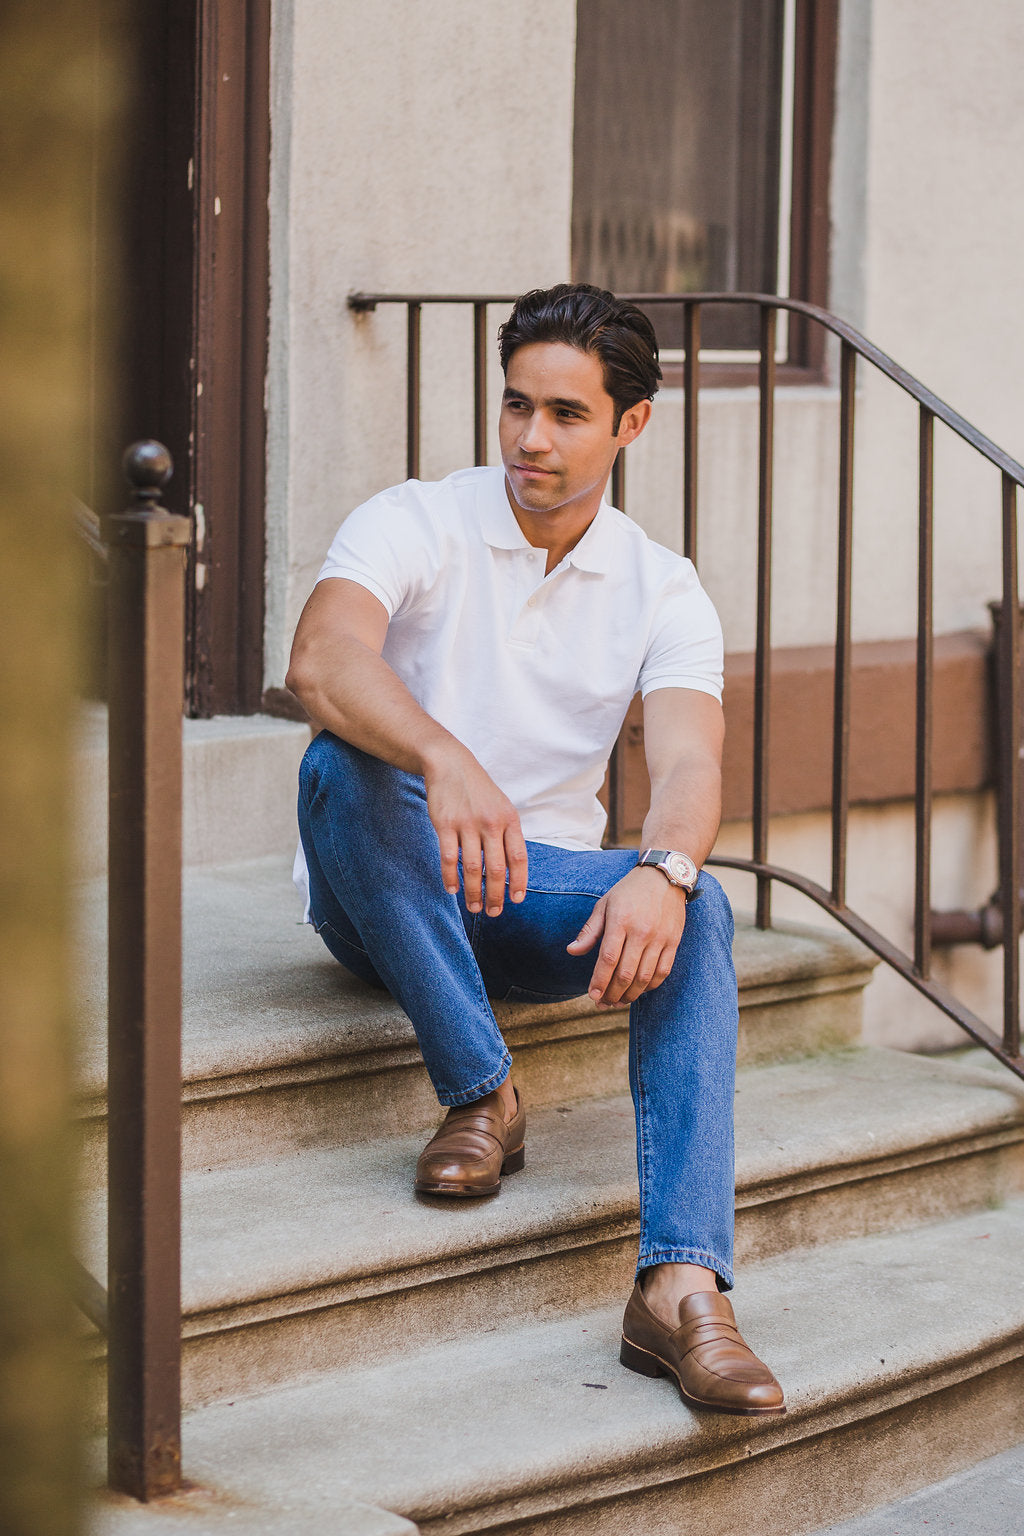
(915, 968)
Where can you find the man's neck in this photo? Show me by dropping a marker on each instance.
(558, 531)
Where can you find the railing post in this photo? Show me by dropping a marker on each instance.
(145, 681)
(925, 696)
(412, 391)
(844, 601)
(1010, 771)
(763, 654)
(479, 383)
(691, 430)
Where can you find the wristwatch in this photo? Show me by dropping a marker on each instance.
(678, 868)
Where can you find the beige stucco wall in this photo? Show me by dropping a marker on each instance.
(423, 147)
(929, 162)
(429, 148)
(945, 215)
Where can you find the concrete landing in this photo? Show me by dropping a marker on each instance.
(219, 824)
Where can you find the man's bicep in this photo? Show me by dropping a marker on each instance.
(339, 609)
(680, 724)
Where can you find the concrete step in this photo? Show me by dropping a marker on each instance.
(219, 824)
(282, 1049)
(325, 1256)
(902, 1356)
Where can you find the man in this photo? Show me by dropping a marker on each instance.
(469, 652)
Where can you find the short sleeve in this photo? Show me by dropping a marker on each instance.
(389, 545)
(685, 647)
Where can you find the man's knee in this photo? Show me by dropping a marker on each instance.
(340, 771)
(711, 912)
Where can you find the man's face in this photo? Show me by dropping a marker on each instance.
(555, 428)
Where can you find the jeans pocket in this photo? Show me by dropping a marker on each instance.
(352, 956)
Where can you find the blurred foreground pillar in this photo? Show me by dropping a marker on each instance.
(60, 89)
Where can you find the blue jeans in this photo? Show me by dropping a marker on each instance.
(378, 903)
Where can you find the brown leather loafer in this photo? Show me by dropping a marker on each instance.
(706, 1356)
(473, 1148)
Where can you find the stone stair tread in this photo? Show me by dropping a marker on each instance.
(262, 993)
(528, 1419)
(346, 1216)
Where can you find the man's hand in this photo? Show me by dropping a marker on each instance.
(639, 923)
(470, 812)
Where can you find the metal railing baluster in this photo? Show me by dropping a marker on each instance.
(844, 577)
(924, 700)
(691, 440)
(412, 386)
(1010, 786)
(762, 658)
(616, 763)
(479, 383)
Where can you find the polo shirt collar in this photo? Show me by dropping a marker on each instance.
(501, 531)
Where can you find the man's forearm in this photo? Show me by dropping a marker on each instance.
(686, 809)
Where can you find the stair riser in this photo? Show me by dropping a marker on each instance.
(232, 1358)
(252, 1348)
(890, 1198)
(826, 1475)
(220, 825)
(588, 1061)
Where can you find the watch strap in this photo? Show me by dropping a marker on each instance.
(663, 859)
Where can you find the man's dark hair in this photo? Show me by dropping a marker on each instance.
(593, 320)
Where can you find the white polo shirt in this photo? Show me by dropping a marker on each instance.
(532, 673)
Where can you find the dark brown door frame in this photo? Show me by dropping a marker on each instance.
(196, 343)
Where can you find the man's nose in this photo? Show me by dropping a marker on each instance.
(535, 436)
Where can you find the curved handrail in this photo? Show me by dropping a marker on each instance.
(935, 991)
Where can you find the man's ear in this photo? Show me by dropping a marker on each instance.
(633, 422)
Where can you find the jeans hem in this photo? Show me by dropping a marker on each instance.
(726, 1280)
(467, 1095)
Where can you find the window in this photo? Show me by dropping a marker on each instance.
(695, 134)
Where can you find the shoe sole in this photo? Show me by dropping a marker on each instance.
(645, 1364)
(512, 1164)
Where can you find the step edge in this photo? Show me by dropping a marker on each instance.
(309, 1065)
(549, 1233)
(669, 1462)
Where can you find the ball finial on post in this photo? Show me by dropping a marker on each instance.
(147, 467)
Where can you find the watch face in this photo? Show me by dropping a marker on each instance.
(681, 869)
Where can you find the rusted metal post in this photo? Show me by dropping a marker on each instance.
(844, 610)
(763, 655)
(412, 391)
(925, 695)
(691, 433)
(479, 383)
(145, 679)
(1010, 770)
(616, 763)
